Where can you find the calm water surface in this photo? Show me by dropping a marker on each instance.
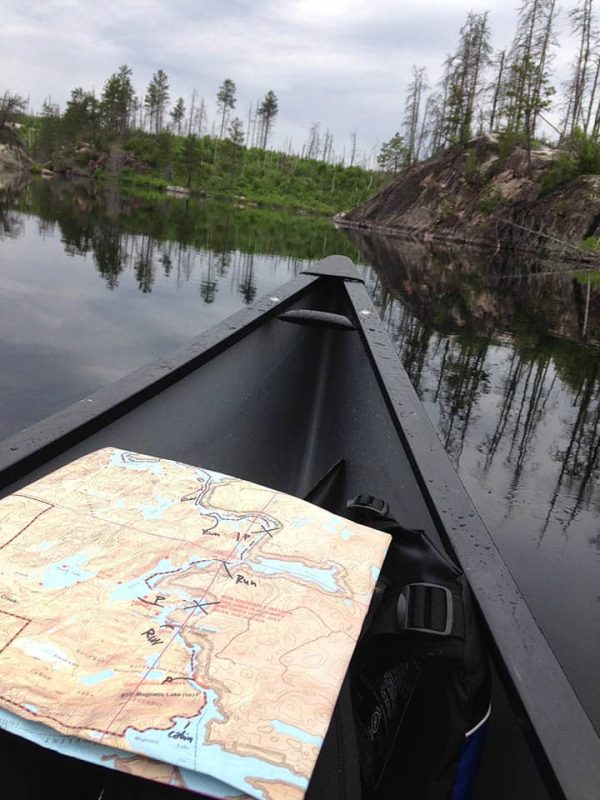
(503, 354)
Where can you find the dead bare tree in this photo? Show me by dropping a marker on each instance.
(412, 112)
(581, 26)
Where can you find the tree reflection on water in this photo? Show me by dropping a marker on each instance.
(154, 236)
(457, 351)
(505, 357)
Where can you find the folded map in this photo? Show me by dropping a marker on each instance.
(177, 623)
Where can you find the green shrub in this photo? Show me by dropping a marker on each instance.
(589, 156)
(588, 276)
(491, 203)
(509, 140)
(584, 160)
(563, 170)
(591, 244)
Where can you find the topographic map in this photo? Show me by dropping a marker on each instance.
(177, 623)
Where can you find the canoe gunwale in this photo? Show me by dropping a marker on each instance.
(560, 732)
(37, 444)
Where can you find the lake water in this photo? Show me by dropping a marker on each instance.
(504, 355)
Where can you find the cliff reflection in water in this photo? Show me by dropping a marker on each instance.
(517, 409)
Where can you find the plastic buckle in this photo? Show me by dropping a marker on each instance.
(426, 608)
(368, 503)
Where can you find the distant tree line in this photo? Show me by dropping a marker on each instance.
(118, 112)
(509, 92)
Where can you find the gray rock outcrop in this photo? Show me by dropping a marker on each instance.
(475, 195)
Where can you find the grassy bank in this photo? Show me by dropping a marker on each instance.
(222, 169)
(207, 167)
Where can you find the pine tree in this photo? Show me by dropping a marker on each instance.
(157, 97)
(201, 118)
(225, 102)
(188, 158)
(235, 132)
(313, 145)
(426, 122)
(267, 111)
(80, 120)
(192, 112)
(528, 88)
(593, 104)
(393, 154)
(178, 114)
(499, 91)
(165, 152)
(412, 114)
(438, 110)
(327, 146)
(117, 102)
(11, 107)
(50, 130)
(464, 78)
(583, 83)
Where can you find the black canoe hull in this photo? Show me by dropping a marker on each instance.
(280, 403)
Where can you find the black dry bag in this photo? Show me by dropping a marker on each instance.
(410, 719)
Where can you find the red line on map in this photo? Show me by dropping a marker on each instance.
(18, 633)
(182, 627)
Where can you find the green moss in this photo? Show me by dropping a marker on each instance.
(591, 244)
(588, 276)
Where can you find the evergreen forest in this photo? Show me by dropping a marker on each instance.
(158, 139)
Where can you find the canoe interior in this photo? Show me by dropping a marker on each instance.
(280, 406)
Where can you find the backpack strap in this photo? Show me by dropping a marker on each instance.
(424, 593)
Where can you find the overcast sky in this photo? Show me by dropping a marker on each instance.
(344, 63)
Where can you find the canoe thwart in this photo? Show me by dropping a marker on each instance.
(317, 319)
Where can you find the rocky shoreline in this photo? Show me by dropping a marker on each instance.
(473, 195)
(13, 159)
(14, 166)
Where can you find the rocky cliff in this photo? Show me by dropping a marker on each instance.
(476, 195)
(13, 158)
